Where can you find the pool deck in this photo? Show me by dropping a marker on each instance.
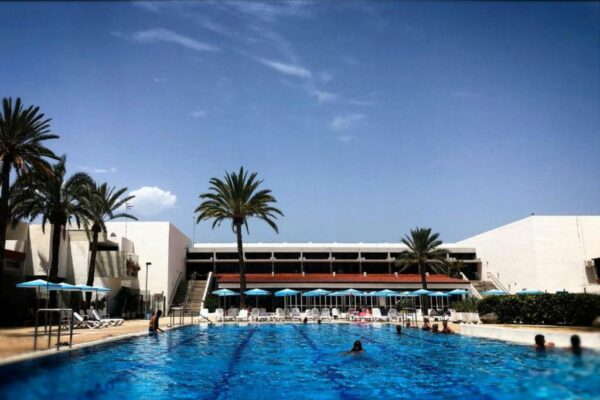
(16, 344)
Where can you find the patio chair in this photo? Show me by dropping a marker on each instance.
(296, 314)
(377, 316)
(242, 316)
(279, 315)
(255, 314)
(314, 313)
(393, 314)
(231, 314)
(335, 313)
(263, 316)
(79, 322)
(219, 314)
(287, 314)
(110, 321)
(325, 314)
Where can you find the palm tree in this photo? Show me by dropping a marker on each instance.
(22, 133)
(237, 198)
(103, 204)
(56, 199)
(423, 251)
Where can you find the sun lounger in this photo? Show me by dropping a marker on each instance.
(231, 314)
(263, 316)
(335, 313)
(377, 316)
(313, 314)
(110, 321)
(393, 315)
(79, 322)
(325, 314)
(287, 314)
(242, 316)
(279, 315)
(219, 314)
(296, 314)
(255, 314)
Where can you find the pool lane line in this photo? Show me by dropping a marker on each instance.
(329, 374)
(223, 381)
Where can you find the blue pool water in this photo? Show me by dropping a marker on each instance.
(304, 362)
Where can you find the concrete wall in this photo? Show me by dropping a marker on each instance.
(541, 252)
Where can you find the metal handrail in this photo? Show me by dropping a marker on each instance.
(472, 287)
(49, 325)
(174, 289)
(497, 282)
(187, 293)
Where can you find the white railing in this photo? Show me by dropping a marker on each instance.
(206, 289)
(497, 282)
(471, 287)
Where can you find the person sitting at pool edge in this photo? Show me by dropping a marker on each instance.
(305, 320)
(540, 343)
(153, 326)
(408, 323)
(576, 345)
(399, 329)
(356, 348)
(445, 328)
(426, 326)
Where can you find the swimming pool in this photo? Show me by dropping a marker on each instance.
(303, 362)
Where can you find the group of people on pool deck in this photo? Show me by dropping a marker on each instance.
(433, 328)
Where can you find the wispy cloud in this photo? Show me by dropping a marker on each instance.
(323, 96)
(198, 114)
(345, 122)
(98, 170)
(271, 11)
(361, 102)
(167, 36)
(285, 68)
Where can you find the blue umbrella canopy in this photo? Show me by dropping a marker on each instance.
(337, 294)
(67, 287)
(387, 293)
(458, 291)
(39, 283)
(86, 288)
(494, 292)
(367, 294)
(257, 292)
(407, 294)
(100, 289)
(316, 292)
(352, 292)
(421, 291)
(286, 292)
(438, 294)
(530, 291)
(225, 292)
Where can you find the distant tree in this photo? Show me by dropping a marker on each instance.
(22, 136)
(236, 199)
(423, 250)
(454, 269)
(56, 199)
(102, 203)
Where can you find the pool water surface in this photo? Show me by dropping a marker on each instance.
(304, 362)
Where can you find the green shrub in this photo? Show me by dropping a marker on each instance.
(467, 305)
(543, 309)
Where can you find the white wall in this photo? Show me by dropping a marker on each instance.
(540, 252)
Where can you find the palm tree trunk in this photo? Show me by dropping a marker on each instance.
(92, 267)
(53, 275)
(425, 298)
(240, 247)
(4, 214)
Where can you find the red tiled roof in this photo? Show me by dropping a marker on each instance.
(338, 278)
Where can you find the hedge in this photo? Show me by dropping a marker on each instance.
(543, 309)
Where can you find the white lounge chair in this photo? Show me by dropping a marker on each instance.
(296, 314)
(287, 314)
(263, 316)
(314, 314)
(279, 315)
(79, 322)
(110, 321)
(335, 313)
(231, 314)
(325, 314)
(255, 314)
(242, 316)
(393, 314)
(219, 314)
(376, 315)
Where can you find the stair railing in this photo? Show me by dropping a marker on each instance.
(174, 290)
(497, 282)
(186, 300)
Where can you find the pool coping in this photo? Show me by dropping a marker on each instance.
(35, 354)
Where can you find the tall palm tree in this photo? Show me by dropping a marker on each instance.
(238, 198)
(423, 251)
(103, 203)
(56, 199)
(22, 133)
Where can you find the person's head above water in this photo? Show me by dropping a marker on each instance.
(159, 313)
(576, 344)
(357, 347)
(540, 341)
(398, 329)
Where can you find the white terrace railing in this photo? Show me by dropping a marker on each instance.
(497, 282)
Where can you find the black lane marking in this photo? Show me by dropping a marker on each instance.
(222, 382)
(328, 371)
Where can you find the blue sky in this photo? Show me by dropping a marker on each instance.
(365, 119)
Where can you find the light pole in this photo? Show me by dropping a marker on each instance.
(146, 291)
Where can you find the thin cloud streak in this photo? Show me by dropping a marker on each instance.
(167, 36)
(285, 68)
(345, 122)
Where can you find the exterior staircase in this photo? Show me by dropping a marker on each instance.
(190, 294)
